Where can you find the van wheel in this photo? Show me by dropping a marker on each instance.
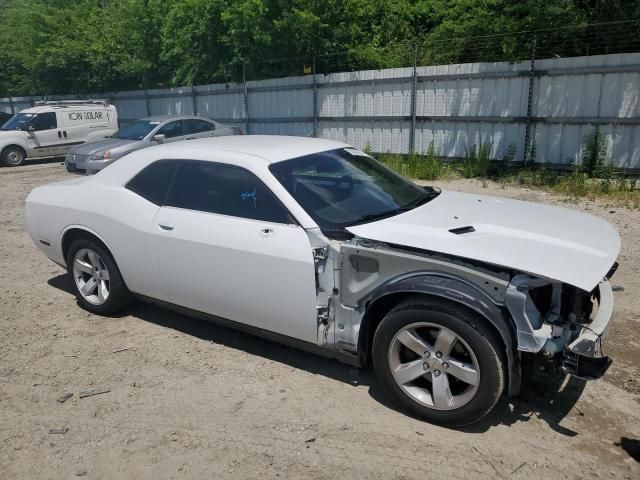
(439, 361)
(13, 156)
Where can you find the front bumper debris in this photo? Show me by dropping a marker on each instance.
(584, 356)
(590, 339)
(589, 368)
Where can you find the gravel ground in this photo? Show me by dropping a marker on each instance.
(186, 399)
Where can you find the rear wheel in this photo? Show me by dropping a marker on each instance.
(13, 156)
(97, 281)
(439, 361)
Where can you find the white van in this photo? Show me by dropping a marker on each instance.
(50, 129)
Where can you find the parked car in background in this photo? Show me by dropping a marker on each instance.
(50, 129)
(143, 133)
(316, 244)
(4, 117)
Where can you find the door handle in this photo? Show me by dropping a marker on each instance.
(64, 132)
(266, 232)
(167, 228)
(59, 134)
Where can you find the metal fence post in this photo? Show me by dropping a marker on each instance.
(526, 157)
(414, 87)
(147, 102)
(194, 100)
(315, 99)
(13, 107)
(245, 98)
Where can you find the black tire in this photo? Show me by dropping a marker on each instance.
(467, 325)
(13, 156)
(119, 296)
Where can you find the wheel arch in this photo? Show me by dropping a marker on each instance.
(13, 144)
(75, 232)
(454, 290)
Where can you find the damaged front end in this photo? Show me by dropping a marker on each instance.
(556, 323)
(562, 323)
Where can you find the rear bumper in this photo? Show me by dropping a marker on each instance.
(589, 342)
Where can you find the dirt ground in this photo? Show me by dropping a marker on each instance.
(187, 399)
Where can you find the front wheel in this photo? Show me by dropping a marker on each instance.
(13, 156)
(97, 281)
(439, 360)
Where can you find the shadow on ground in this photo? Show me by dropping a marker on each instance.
(34, 161)
(631, 446)
(548, 400)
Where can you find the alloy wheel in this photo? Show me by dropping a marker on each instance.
(91, 276)
(434, 366)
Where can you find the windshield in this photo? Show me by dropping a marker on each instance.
(339, 188)
(136, 130)
(18, 121)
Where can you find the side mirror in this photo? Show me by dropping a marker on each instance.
(30, 129)
(159, 138)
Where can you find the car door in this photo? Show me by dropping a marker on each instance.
(199, 128)
(224, 245)
(45, 135)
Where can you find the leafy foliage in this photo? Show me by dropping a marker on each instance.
(63, 46)
(477, 160)
(595, 152)
(421, 167)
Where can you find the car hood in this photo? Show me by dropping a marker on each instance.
(10, 133)
(551, 242)
(103, 145)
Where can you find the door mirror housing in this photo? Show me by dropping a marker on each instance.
(159, 138)
(30, 129)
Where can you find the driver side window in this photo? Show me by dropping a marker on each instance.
(171, 129)
(226, 190)
(44, 121)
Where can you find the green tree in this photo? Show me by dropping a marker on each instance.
(64, 46)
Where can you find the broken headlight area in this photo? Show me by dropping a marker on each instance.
(562, 322)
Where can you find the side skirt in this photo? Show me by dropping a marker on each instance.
(342, 357)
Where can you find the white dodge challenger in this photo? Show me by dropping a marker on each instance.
(314, 243)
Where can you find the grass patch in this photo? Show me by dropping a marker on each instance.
(477, 161)
(420, 167)
(577, 184)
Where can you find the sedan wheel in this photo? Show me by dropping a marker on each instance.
(91, 276)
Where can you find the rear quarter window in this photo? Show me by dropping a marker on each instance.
(152, 182)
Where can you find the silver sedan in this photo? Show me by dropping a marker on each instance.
(92, 157)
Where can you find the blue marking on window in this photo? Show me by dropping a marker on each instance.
(250, 195)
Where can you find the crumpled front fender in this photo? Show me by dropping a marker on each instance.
(462, 292)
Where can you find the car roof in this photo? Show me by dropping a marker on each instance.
(270, 148)
(53, 108)
(164, 118)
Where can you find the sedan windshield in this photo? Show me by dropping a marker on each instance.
(344, 187)
(136, 130)
(18, 121)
